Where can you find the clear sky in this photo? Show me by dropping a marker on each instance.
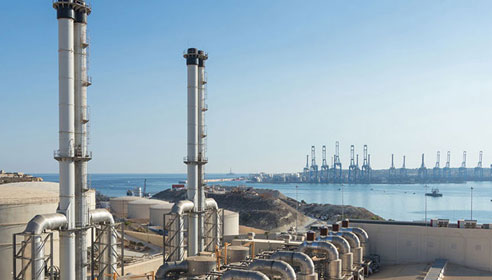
(403, 77)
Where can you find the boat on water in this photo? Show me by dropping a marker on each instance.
(434, 193)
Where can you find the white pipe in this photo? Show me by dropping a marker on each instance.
(81, 152)
(363, 237)
(103, 216)
(66, 142)
(183, 206)
(192, 158)
(236, 274)
(328, 249)
(303, 261)
(36, 227)
(210, 203)
(274, 268)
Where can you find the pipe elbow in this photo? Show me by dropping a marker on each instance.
(165, 269)
(210, 203)
(182, 206)
(40, 223)
(351, 237)
(98, 216)
(274, 267)
(236, 274)
(361, 233)
(340, 242)
(324, 246)
(296, 258)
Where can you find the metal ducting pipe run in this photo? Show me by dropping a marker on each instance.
(36, 227)
(355, 246)
(299, 259)
(363, 237)
(108, 259)
(236, 274)
(327, 249)
(183, 206)
(343, 248)
(169, 267)
(274, 268)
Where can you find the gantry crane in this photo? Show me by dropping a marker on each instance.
(353, 168)
(479, 169)
(436, 171)
(446, 171)
(366, 168)
(314, 167)
(422, 170)
(403, 169)
(462, 169)
(324, 166)
(392, 169)
(337, 165)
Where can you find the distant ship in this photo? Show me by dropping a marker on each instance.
(230, 172)
(435, 193)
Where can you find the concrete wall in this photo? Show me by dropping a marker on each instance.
(151, 238)
(402, 244)
(144, 267)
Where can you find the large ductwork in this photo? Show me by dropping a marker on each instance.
(343, 248)
(273, 268)
(355, 245)
(298, 259)
(236, 274)
(171, 267)
(179, 209)
(108, 239)
(326, 249)
(362, 235)
(202, 160)
(36, 227)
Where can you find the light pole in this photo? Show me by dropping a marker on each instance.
(425, 204)
(297, 206)
(471, 203)
(343, 206)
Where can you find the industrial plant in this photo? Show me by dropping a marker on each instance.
(363, 173)
(58, 231)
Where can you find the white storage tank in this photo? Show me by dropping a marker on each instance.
(140, 209)
(157, 213)
(231, 223)
(19, 203)
(119, 205)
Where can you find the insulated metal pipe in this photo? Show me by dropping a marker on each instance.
(210, 203)
(165, 269)
(326, 247)
(273, 268)
(36, 227)
(183, 206)
(303, 261)
(363, 237)
(81, 152)
(65, 154)
(236, 274)
(108, 251)
(192, 158)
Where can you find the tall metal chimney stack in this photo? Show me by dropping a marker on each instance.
(191, 159)
(82, 155)
(65, 153)
(202, 159)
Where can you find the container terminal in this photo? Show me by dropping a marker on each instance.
(56, 231)
(364, 174)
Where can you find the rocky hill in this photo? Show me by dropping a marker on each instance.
(271, 210)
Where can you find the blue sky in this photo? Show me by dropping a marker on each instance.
(404, 77)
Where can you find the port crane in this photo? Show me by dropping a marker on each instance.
(436, 171)
(366, 168)
(403, 169)
(392, 169)
(462, 169)
(446, 171)
(314, 166)
(479, 169)
(353, 168)
(422, 170)
(324, 166)
(337, 165)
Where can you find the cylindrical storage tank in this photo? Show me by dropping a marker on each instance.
(19, 203)
(231, 223)
(157, 213)
(119, 205)
(140, 209)
(237, 253)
